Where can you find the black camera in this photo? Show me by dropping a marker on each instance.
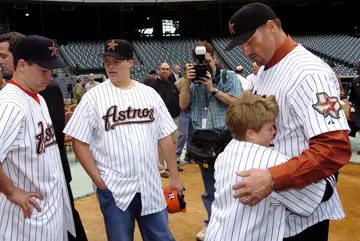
(202, 67)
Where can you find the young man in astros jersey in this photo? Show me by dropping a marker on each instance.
(311, 126)
(34, 202)
(55, 103)
(117, 128)
(251, 122)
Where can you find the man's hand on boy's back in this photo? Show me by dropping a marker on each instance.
(254, 187)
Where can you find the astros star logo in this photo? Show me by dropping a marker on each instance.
(55, 50)
(231, 27)
(327, 106)
(112, 45)
(171, 196)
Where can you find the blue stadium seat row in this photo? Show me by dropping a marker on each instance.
(342, 49)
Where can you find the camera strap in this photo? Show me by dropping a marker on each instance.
(217, 75)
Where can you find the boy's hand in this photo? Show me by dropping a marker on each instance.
(176, 185)
(255, 186)
(25, 200)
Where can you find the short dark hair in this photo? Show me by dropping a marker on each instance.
(152, 72)
(13, 38)
(239, 71)
(15, 62)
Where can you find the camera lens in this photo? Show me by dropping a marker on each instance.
(202, 72)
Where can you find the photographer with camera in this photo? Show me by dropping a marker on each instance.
(210, 90)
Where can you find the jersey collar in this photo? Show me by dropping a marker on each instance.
(286, 47)
(32, 95)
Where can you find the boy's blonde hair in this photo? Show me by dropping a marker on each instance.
(250, 112)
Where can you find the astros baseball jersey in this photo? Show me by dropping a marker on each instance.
(231, 220)
(122, 128)
(30, 158)
(307, 92)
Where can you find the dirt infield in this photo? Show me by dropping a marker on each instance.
(185, 226)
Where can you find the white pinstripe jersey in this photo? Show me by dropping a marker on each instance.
(233, 221)
(30, 158)
(122, 128)
(307, 92)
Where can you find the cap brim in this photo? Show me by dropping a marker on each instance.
(115, 55)
(239, 40)
(51, 64)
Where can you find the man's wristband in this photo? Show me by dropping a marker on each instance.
(273, 184)
(214, 91)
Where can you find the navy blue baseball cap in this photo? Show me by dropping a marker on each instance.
(40, 50)
(244, 22)
(119, 49)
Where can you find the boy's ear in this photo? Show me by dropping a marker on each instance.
(250, 134)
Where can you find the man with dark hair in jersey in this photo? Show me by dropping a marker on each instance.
(55, 102)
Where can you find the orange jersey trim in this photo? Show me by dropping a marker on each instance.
(286, 47)
(32, 95)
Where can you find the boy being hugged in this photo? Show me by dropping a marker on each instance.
(251, 121)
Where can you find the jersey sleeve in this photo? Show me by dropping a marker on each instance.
(10, 121)
(164, 121)
(83, 123)
(303, 201)
(316, 106)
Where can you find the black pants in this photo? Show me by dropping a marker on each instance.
(80, 231)
(353, 128)
(317, 232)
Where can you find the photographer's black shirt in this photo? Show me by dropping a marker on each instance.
(169, 93)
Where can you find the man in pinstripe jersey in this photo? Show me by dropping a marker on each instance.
(55, 102)
(117, 128)
(311, 126)
(34, 202)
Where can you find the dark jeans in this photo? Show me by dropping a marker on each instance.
(208, 195)
(183, 131)
(120, 224)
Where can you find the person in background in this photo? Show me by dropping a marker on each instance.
(209, 100)
(245, 84)
(175, 74)
(150, 77)
(185, 126)
(354, 99)
(170, 95)
(92, 83)
(79, 90)
(253, 76)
